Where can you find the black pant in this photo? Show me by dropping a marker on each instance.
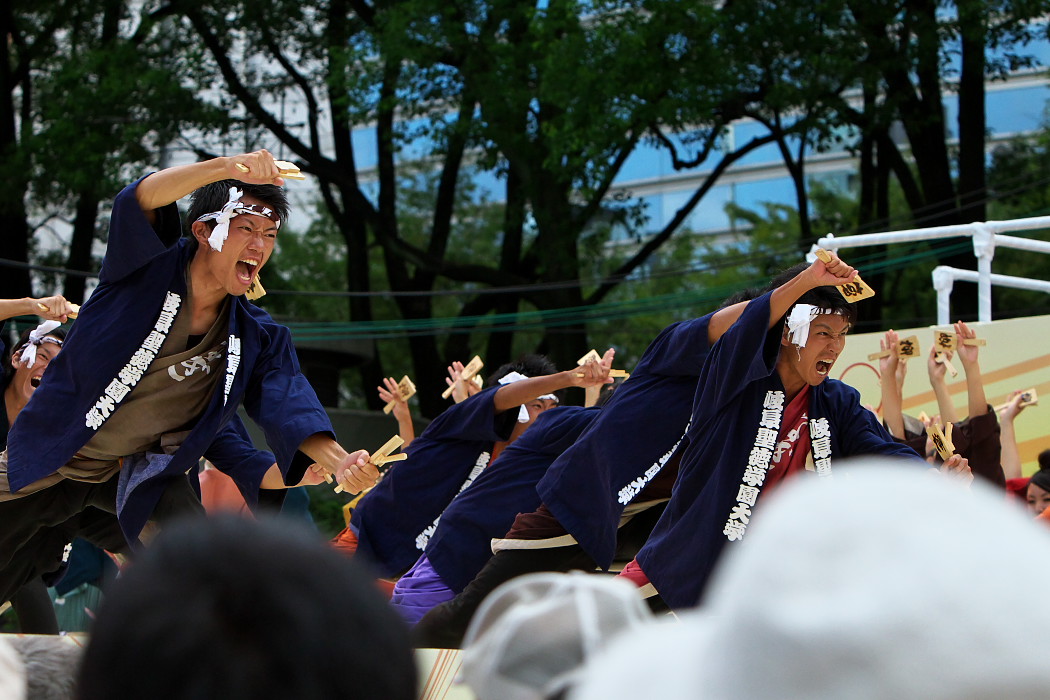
(35, 529)
(446, 624)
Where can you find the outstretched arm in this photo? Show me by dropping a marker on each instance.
(593, 374)
(56, 308)
(351, 469)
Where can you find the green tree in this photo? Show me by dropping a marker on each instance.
(916, 54)
(92, 93)
(549, 99)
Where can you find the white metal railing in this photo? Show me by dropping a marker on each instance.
(986, 236)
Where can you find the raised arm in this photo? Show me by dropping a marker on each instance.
(892, 391)
(389, 392)
(937, 372)
(461, 389)
(977, 402)
(172, 184)
(1010, 455)
(819, 274)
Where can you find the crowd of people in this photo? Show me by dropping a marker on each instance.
(659, 479)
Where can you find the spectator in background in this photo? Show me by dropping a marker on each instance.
(1038, 491)
(976, 437)
(234, 608)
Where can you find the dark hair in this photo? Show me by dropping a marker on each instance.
(1041, 478)
(826, 297)
(530, 365)
(746, 294)
(9, 371)
(209, 198)
(233, 608)
(1044, 459)
(830, 298)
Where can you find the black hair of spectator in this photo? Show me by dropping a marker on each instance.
(234, 608)
(9, 370)
(1044, 459)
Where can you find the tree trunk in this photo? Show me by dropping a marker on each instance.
(80, 246)
(14, 280)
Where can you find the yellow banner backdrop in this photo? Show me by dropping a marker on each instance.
(1016, 357)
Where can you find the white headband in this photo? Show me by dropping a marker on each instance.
(799, 319)
(232, 208)
(36, 337)
(523, 413)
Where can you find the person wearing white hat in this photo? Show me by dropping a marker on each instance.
(12, 673)
(883, 583)
(533, 636)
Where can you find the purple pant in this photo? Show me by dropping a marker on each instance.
(419, 590)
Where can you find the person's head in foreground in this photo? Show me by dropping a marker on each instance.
(228, 608)
(533, 635)
(12, 673)
(50, 664)
(885, 582)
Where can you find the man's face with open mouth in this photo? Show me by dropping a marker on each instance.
(26, 379)
(827, 338)
(247, 248)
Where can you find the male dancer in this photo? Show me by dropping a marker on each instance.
(461, 543)
(161, 355)
(622, 465)
(395, 520)
(765, 409)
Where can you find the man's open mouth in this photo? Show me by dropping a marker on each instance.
(34, 381)
(246, 270)
(824, 366)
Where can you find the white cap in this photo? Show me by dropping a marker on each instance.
(532, 635)
(12, 673)
(890, 582)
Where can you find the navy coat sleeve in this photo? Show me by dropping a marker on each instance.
(234, 454)
(133, 242)
(282, 402)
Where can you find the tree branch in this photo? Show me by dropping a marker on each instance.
(653, 244)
